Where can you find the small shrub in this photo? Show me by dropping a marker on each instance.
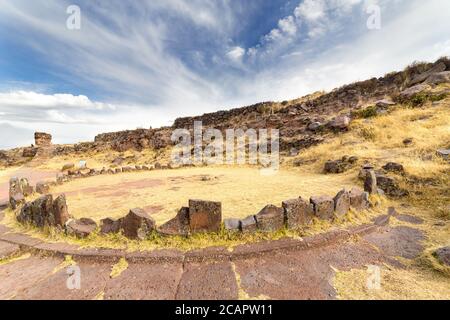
(368, 133)
(366, 113)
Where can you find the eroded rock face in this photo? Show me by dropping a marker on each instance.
(438, 78)
(359, 200)
(298, 212)
(341, 203)
(29, 152)
(42, 139)
(178, 226)
(323, 207)
(438, 68)
(270, 219)
(138, 224)
(16, 196)
(81, 228)
(205, 216)
(410, 92)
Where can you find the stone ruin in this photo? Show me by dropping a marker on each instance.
(42, 139)
(198, 217)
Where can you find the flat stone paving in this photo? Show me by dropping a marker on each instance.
(303, 274)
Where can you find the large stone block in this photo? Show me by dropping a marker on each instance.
(42, 139)
(270, 218)
(26, 188)
(323, 207)
(205, 216)
(341, 203)
(178, 226)
(109, 225)
(138, 224)
(298, 212)
(359, 200)
(248, 224)
(60, 211)
(81, 228)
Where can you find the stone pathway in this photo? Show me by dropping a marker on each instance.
(303, 273)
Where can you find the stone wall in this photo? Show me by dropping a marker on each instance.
(42, 139)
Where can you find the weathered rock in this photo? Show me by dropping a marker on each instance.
(60, 211)
(385, 103)
(232, 224)
(42, 139)
(359, 200)
(370, 183)
(438, 68)
(298, 212)
(408, 141)
(438, 78)
(138, 224)
(341, 203)
(394, 167)
(340, 166)
(270, 219)
(340, 123)
(315, 126)
(16, 200)
(29, 152)
(81, 228)
(178, 226)
(118, 161)
(248, 224)
(323, 207)
(390, 187)
(205, 216)
(444, 153)
(109, 225)
(410, 92)
(27, 190)
(443, 255)
(68, 166)
(38, 213)
(42, 188)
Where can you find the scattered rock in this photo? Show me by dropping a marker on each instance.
(408, 141)
(390, 186)
(370, 184)
(440, 67)
(315, 126)
(42, 188)
(444, 153)
(359, 200)
(298, 212)
(340, 166)
(137, 224)
(385, 103)
(248, 224)
(270, 219)
(81, 228)
(341, 203)
(340, 123)
(205, 216)
(232, 224)
(410, 92)
(178, 226)
(443, 255)
(109, 225)
(394, 167)
(323, 207)
(438, 78)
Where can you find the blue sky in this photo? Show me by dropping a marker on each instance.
(144, 63)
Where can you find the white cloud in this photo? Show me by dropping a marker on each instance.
(288, 25)
(236, 54)
(310, 10)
